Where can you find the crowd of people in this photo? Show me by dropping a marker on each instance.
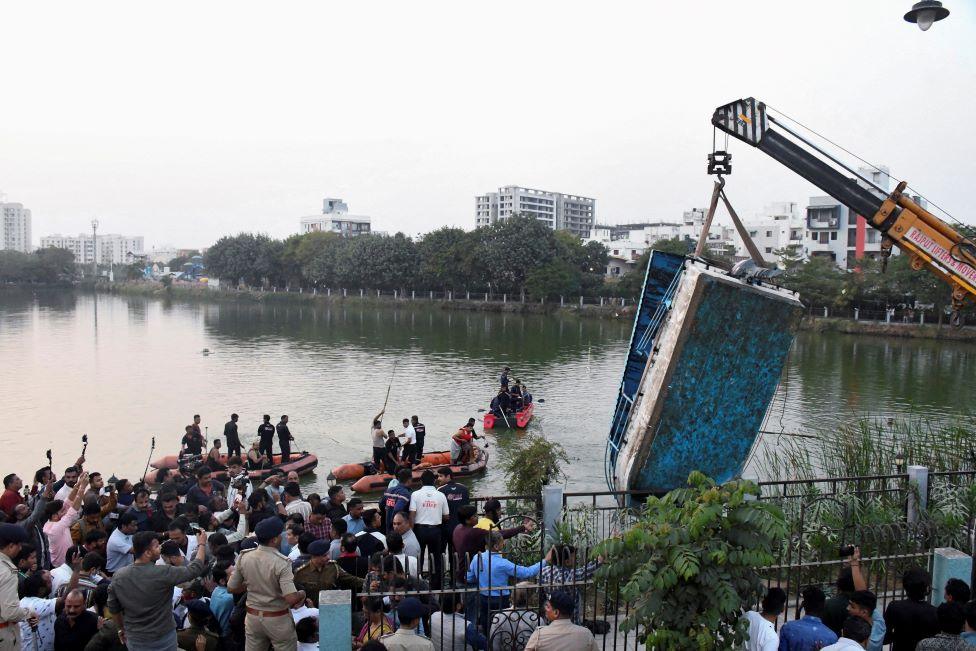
(203, 563)
(853, 619)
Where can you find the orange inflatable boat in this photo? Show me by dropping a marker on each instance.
(377, 482)
(301, 462)
(351, 471)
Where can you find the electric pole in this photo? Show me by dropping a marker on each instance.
(95, 250)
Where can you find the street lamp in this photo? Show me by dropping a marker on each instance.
(900, 461)
(926, 12)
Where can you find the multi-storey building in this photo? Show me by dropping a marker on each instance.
(335, 218)
(15, 227)
(834, 231)
(556, 210)
(109, 248)
(778, 227)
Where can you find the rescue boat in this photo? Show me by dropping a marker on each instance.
(351, 471)
(301, 462)
(520, 420)
(373, 483)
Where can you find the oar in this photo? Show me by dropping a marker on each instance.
(149, 460)
(392, 375)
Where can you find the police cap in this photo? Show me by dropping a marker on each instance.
(410, 608)
(12, 533)
(268, 529)
(318, 548)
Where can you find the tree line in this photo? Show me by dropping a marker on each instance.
(509, 257)
(43, 266)
(512, 256)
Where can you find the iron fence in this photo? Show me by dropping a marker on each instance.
(467, 613)
(440, 295)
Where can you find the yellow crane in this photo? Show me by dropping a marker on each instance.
(930, 242)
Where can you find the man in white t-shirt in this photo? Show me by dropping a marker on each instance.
(70, 478)
(292, 498)
(428, 511)
(38, 598)
(762, 626)
(409, 442)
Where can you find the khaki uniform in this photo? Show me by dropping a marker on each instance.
(10, 610)
(268, 577)
(406, 639)
(329, 576)
(562, 635)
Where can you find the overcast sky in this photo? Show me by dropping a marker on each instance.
(183, 121)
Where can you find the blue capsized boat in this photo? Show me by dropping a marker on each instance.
(706, 355)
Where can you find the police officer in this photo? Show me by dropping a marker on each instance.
(420, 431)
(266, 431)
(320, 573)
(284, 439)
(406, 638)
(12, 536)
(232, 438)
(265, 574)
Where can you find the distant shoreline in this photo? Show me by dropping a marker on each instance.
(192, 294)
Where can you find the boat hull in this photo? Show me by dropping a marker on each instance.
(713, 352)
(520, 420)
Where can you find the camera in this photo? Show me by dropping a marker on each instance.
(194, 527)
(845, 551)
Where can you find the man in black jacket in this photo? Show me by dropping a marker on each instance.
(232, 438)
(266, 432)
(284, 439)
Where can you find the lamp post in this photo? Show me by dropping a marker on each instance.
(926, 12)
(94, 224)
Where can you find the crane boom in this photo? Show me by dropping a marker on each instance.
(930, 242)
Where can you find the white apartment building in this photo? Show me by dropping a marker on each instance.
(833, 231)
(111, 248)
(824, 227)
(780, 224)
(556, 210)
(335, 218)
(627, 242)
(15, 227)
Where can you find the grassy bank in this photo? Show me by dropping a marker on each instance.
(877, 329)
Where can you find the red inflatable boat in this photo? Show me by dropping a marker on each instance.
(377, 482)
(520, 420)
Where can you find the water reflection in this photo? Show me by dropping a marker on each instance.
(328, 369)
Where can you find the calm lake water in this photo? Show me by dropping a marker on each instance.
(125, 369)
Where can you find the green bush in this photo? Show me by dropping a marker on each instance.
(688, 567)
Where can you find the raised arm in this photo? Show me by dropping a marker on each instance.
(78, 492)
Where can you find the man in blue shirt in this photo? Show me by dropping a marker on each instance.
(808, 633)
(969, 630)
(355, 516)
(397, 499)
(863, 604)
(491, 571)
(221, 601)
